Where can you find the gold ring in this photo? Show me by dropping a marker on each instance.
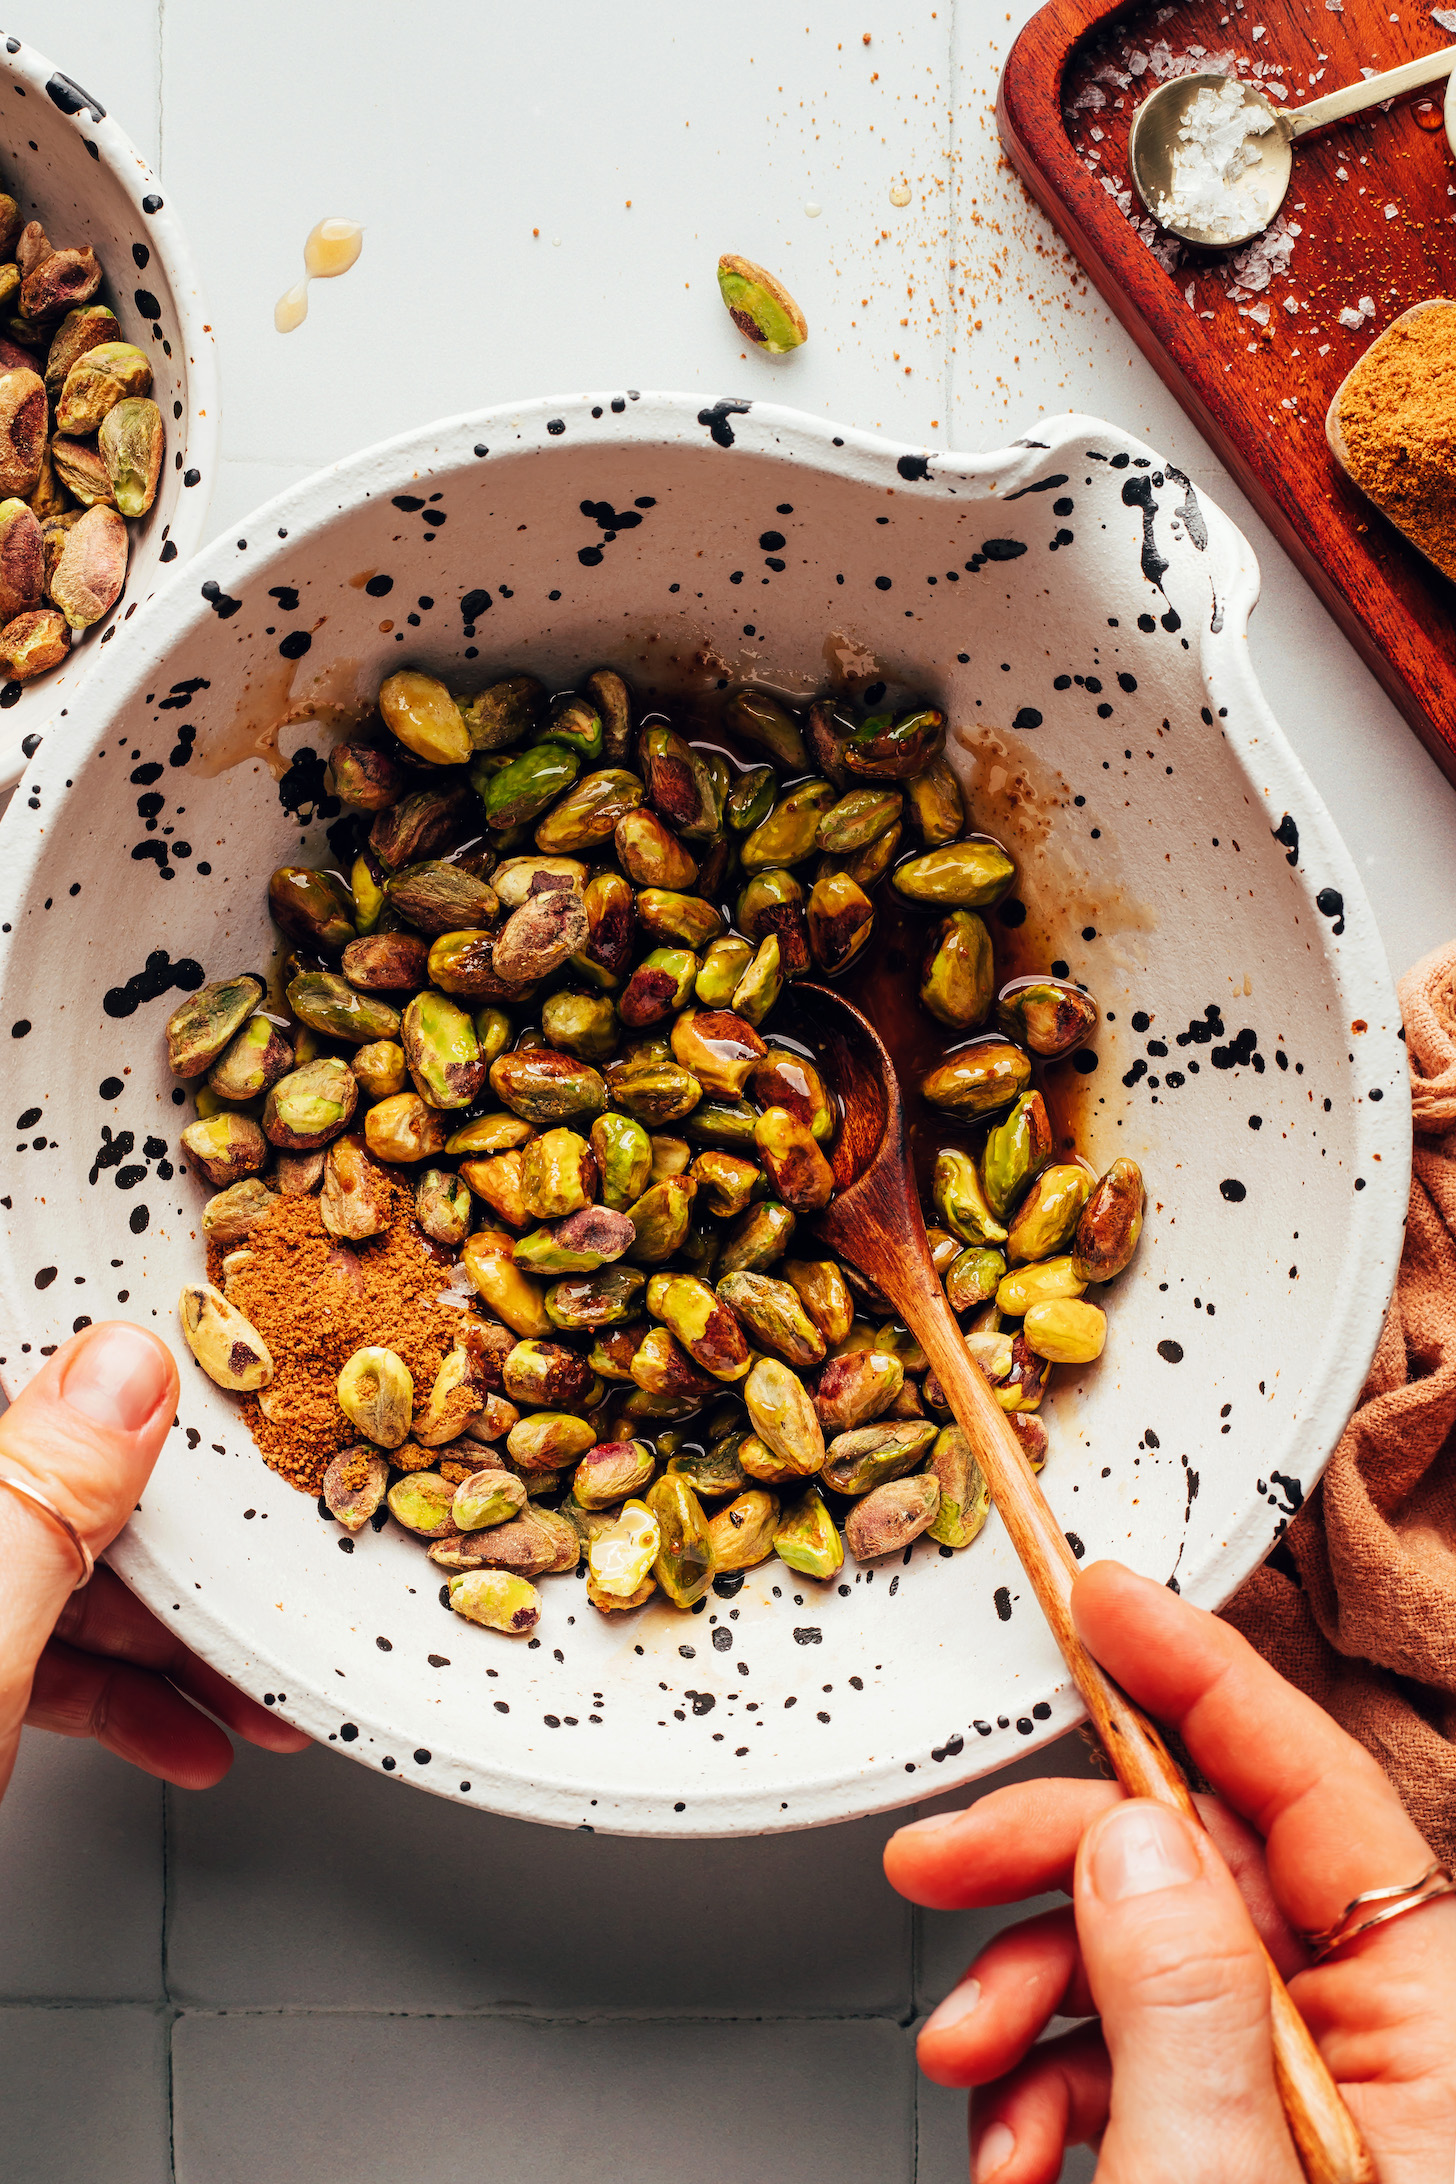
(49, 1509)
(1395, 1902)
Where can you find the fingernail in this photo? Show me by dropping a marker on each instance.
(1140, 1848)
(117, 1378)
(956, 2007)
(935, 1825)
(996, 2149)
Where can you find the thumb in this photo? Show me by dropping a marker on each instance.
(1176, 1971)
(87, 1430)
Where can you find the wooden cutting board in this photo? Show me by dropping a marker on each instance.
(1252, 342)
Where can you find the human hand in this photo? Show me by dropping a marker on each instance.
(86, 1433)
(1176, 2079)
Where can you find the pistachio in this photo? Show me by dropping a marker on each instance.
(420, 826)
(97, 381)
(711, 1472)
(227, 1347)
(81, 329)
(761, 1463)
(773, 1316)
(797, 1170)
(496, 1600)
(500, 1182)
(886, 748)
(621, 1557)
(960, 1201)
(580, 1244)
(858, 818)
(1046, 1220)
(226, 1147)
(757, 1239)
(661, 1366)
(1029, 1285)
(354, 1486)
(1065, 1331)
(32, 644)
(683, 1565)
(365, 778)
(655, 1092)
(841, 918)
(421, 713)
(679, 786)
(386, 963)
(937, 809)
(886, 1520)
(22, 560)
(979, 1079)
(1111, 1223)
(503, 714)
(549, 1439)
(660, 985)
(130, 444)
(1022, 1388)
(543, 1086)
(972, 1277)
(807, 1539)
(50, 500)
(297, 1175)
(60, 281)
(527, 1546)
(1017, 1149)
(234, 1213)
(968, 875)
(520, 791)
(761, 983)
(610, 1471)
(456, 1397)
(545, 1373)
(511, 1295)
(856, 1388)
(442, 1051)
(870, 1456)
(728, 1123)
(590, 1301)
(312, 908)
(751, 799)
(202, 1025)
(760, 720)
(438, 896)
(366, 886)
(685, 919)
(1050, 1015)
(650, 854)
(1033, 1436)
(356, 1199)
(517, 879)
(538, 938)
(422, 1502)
(580, 1024)
(332, 1007)
(92, 569)
(958, 976)
(487, 1498)
(489, 1133)
(612, 1352)
(611, 919)
(705, 1326)
(377, 1395)
(789, 832)
(623, 1154)
(78, 465)
(824, 1294)
(23, 420)
(742, 1535)
(725, 1183)
(965, 1498)
(463, 965)
(772, 906)
(783, 1415)
(943, 1247)
(723, 966)
(575, 724)
(589, 812)
(401, 1128)
(719, 1048)
(558, 1174)
(760, 305)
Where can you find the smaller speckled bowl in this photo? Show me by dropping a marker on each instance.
(1080, 612)
(70, 167)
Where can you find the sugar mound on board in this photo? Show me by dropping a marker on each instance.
(1215, 149)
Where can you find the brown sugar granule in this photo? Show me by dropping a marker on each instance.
(315, 1302)
(1397, 418)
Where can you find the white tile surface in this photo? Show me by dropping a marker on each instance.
(80, 1877)
(83, 2096)
(269, 2100)
(313, 1883)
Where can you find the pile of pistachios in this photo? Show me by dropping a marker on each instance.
(548, 989)
(81, 446)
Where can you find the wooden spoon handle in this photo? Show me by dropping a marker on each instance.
(1322, 2127)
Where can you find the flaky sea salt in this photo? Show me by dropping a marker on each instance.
(1215, 149)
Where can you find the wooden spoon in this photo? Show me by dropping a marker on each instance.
(874, 1221)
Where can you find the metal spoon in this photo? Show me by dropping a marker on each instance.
(875, 1222)
(1153, 142)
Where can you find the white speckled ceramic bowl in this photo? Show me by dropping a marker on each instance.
(71, 167)
(1080, 611)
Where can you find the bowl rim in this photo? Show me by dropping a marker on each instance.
(118, 154)
(1374, 1228)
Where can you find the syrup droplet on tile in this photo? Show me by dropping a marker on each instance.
(332, 247)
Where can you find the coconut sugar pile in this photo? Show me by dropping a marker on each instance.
(315, 1302)
(1397, 417)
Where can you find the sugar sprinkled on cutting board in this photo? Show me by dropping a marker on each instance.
(1217, 144)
